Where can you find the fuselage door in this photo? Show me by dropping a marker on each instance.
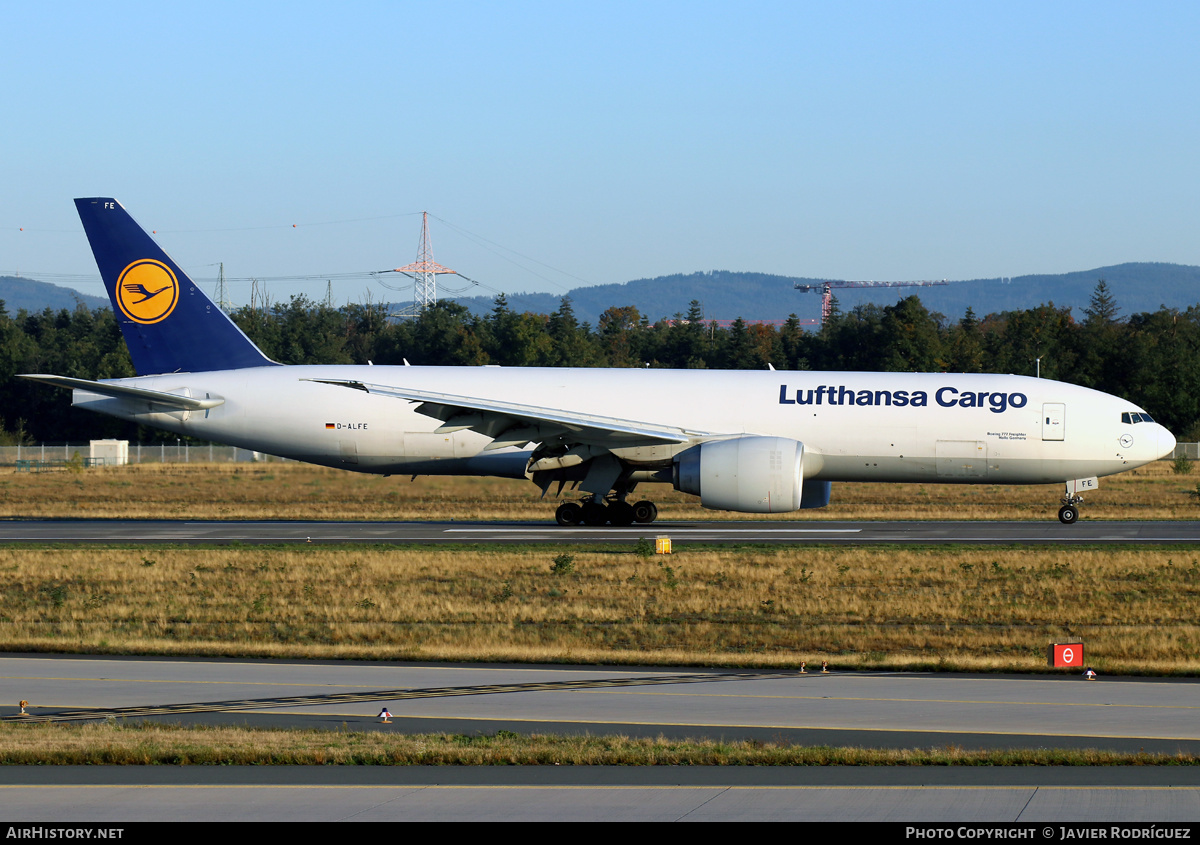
(961, 458)
(1054, 421)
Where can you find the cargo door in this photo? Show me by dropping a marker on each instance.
(428, 444)
(1054, 421)
(961, 458)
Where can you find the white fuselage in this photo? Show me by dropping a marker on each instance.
(854, 426)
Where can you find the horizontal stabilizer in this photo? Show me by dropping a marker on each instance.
(124, 391)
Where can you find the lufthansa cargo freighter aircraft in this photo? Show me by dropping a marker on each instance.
(755, 442)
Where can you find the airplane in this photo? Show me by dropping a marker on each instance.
(752, 442)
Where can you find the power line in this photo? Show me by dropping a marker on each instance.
(481, 241)
(287, 225)
(491, 246)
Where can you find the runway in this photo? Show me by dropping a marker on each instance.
(858, 709)
(869, 709)
(1163, 800)
(727, 532)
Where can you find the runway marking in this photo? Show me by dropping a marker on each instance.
(413, 787)
(226, 682)
(1122, 682)
(556, 535)
(758, 726)
(267, 703)
(380, 695)
(631, 530)
(980, 701)
(238, 682)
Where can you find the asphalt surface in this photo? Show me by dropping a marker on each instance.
(792, 532)
(884, 709)
(875, 710)
(869, 709)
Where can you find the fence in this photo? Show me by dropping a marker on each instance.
(51, 454)
(1191, 451)
(161, 453)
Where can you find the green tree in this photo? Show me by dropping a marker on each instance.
(794, 344)
(737, 351)
(619, 328)
(1017, 339)
(1102, 310)
(1103, 343)
(966, 345)
(572, 347)
(911, 336)
(851, 341)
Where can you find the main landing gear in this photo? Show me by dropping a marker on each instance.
(615, 512)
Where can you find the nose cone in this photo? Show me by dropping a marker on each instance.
(1166, 443)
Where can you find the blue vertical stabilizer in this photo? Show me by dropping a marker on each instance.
(169, 324)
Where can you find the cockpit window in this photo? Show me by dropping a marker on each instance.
(1136, 417)
(1146, 417)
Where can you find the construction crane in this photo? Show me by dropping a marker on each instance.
(826, 289)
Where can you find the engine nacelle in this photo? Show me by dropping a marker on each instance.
(748, 474)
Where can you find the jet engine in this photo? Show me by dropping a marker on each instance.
(749, 474)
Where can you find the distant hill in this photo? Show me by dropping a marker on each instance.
(725, 295)
(1137, 287)
(19, 294)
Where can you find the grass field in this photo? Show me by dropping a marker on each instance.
(982, 609)
(298, 491)
(942, 608)
(150, 744)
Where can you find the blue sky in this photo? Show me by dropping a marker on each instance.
(574, 143)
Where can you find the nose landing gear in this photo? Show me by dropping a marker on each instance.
(1071, 500)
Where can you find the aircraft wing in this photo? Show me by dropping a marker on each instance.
(510, 423)
(173, 401)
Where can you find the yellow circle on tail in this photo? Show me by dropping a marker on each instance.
(147, 291)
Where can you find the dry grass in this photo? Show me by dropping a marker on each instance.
(988, 609)
(298, 491)
(150, 744)
(978, 609)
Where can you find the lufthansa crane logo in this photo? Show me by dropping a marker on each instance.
(147, 291)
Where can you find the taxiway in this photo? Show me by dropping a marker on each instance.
(716, 532)
(868, 709)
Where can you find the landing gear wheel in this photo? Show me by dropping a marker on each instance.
(594, 513)
(1067, 514)
(621, 513)
(645, 512)
(568, 513)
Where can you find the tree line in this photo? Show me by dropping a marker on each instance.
(1152, 358)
